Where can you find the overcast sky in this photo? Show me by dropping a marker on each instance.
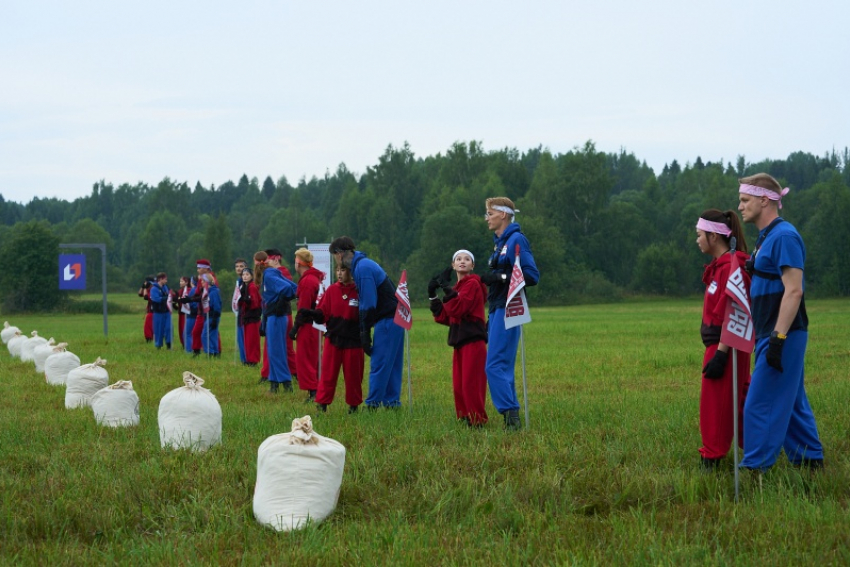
(207, 91)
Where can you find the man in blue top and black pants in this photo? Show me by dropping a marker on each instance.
(501, 352)
(161, 314)
(378, 304)
(777, 414)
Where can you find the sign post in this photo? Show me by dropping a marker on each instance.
(72, 273)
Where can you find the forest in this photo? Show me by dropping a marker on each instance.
(603, 226)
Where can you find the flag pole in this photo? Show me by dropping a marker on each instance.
(735, 424)
(524, 378)
(409, 384)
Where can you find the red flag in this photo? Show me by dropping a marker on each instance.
(516, 306)
(403, 317)
(737, 331)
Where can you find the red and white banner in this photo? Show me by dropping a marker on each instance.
(737, 331)
(403, 317)
(516, 307)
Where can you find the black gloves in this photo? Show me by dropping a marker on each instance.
(366, 342)
(263, 326)
(293, 332)
(715, 367)
(436, 306)
(774, 350)
(432, 287)
(494, 278)
(444, 279)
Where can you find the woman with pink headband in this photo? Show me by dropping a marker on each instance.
(715, 229)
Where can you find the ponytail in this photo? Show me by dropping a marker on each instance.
(730, 219)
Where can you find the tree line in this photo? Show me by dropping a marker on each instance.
(602, 225)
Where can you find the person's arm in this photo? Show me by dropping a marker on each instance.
(792, 279)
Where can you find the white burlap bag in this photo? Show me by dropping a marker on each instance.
(41, 352)
(59, 364)
(298, 477)
(28, 347)
(189, 417)
(15, 343)
(116, 405)
(83, 382)
(8, 332)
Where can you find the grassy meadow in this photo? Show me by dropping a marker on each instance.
(607, 474)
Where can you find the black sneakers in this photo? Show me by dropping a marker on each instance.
(512, 421)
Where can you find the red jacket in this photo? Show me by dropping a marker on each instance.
(341, 314)
(714, 307)
(463, 311)
(308, 288)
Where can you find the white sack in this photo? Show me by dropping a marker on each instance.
(15, 343)
(8, 332)
(28, 347)
(189, 417)
(116, 405)
(41, 352)
(298, 477)
(83, 382)
(59, 364)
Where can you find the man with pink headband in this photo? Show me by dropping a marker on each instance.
(777, 414)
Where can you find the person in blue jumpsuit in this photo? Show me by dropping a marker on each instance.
(161, 315)
(501, 354)
(377, 309)
(777, 414)
(212, 305)
(278, 292)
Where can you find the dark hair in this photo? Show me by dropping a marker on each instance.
(249, 271)
(240, 261)
(730, 219)
(274, 252)
(161, 275)
(341, 244)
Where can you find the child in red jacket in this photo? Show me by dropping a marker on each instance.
(462, 309)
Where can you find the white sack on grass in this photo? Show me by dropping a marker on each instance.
(116, 405)
(298, 477)
(189, 417)
(59, 364)
(8, 332)
(83, 382)
(41, 352)
(15, 343)
(28, 347)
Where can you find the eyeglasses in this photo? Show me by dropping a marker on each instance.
(488, 214)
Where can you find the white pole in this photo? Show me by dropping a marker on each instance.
(524, 377)
(735, 419)
(409, 390)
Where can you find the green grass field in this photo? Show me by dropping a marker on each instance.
(607, 474)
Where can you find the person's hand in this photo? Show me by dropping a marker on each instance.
(366, 342)
(445, 280)
(432, 287)
(263, 327)
(715, 367)
(293, 332)
(491, 278)
(774, 351)
(436, 306)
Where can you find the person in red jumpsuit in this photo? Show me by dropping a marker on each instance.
(462, 310)
(339, 310)
(306, 336)
(145, 293)
(250, 310)
(716, 419)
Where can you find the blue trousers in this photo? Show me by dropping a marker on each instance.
(240, 342)
(187, 333)
(501, 360)
(209, 338)
(161, 329)
(276, 345)
(777, 414)
(385, 366)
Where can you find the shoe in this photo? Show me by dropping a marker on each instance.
(287, 386)
(322, 407)
(352, 409)
(263, 379)
(274, 386)
(196, 353)
(810, 464)
(512, 421)
(709, 465)
(311, 397)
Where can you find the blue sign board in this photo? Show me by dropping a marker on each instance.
(72, 271)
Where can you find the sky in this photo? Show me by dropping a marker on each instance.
(130, 92)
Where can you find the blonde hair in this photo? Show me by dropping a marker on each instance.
(304, 255)
(763, 180)
(499, 201)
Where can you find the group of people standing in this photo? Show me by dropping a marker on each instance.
(775, 410)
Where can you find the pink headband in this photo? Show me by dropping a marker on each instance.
(756, 191)
(711, 226)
